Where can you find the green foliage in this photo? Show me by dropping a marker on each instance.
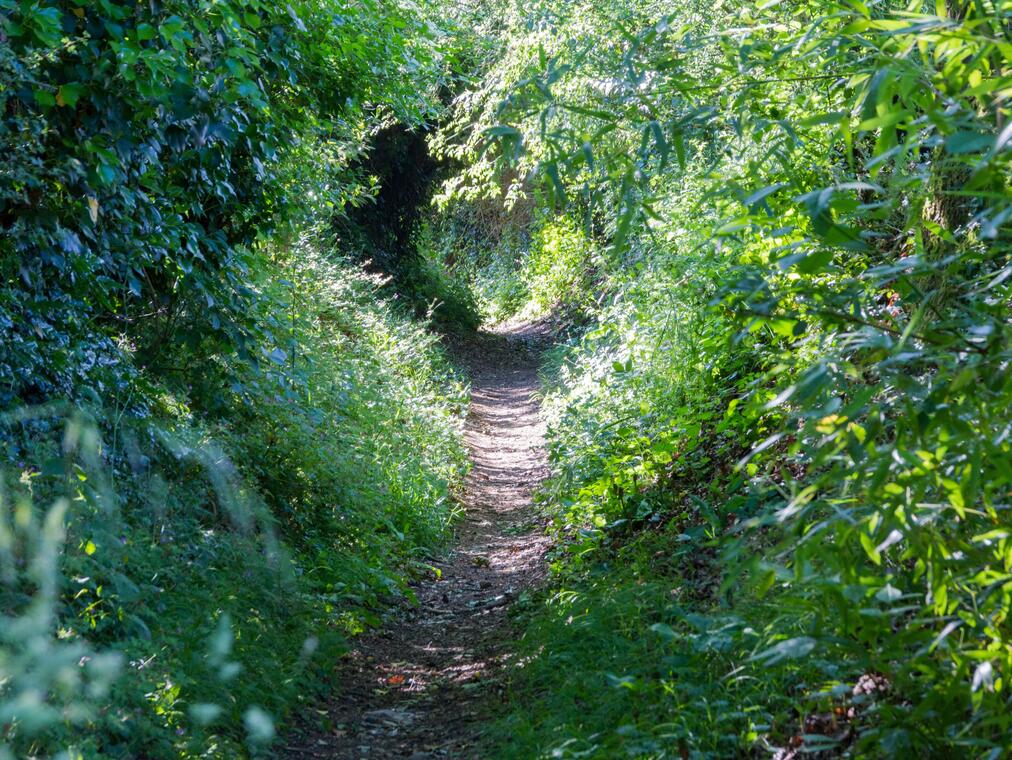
(444, 290)
(269, 444)
(223, 565)
(146, 148)
(484, 252)
(796, 377)
(367, 382)
(558, 269)
(619, 664)
(549, 268)
(780, 441)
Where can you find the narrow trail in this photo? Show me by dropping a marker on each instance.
(423, 686)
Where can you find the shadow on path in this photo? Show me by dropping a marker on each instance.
(418, 688)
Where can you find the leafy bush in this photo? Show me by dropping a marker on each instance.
(780, 439)
(246, 446)
(558, 267)
(221, 590)
(146, 148)
(483, 258)
(549, 268)
(795, 382)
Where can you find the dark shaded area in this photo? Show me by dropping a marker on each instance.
(381, 233)
(400, 160)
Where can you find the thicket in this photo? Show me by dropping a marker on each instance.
(779, 429)
(781, 442)
(224, 444)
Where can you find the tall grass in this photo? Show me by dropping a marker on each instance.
(178, 585)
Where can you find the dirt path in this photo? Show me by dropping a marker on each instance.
(423, 686)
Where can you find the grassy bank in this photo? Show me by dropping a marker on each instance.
(222, 546)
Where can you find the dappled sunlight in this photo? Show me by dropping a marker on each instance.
(556, 379)
(409, 688)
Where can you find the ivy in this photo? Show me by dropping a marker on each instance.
(148, 148)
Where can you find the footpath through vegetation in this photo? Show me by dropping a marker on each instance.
(430, 680)
(254, 503)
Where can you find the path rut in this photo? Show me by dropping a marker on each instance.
(424, 685)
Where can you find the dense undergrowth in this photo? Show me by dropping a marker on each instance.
(777, 237)
(220, 561)
(224, 445)
(780, 432)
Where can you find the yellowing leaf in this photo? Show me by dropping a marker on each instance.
(869, 546)
(957, 501)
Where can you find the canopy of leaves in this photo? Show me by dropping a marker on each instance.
(146, 147)
(796, 374)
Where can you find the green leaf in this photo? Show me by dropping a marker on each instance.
(502, 130)
(815, 261)
(661, 141)
(789, 649)
(45, 98)
(679, 140)
(968, 142)
(665, 631)
(553, 172)
(762, 194)
(765, 583)
(869, 547)
(68, 94)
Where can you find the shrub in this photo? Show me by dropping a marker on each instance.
(146, 148)
(796, 372)
(217, 564)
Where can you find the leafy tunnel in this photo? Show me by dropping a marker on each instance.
(544, 379)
